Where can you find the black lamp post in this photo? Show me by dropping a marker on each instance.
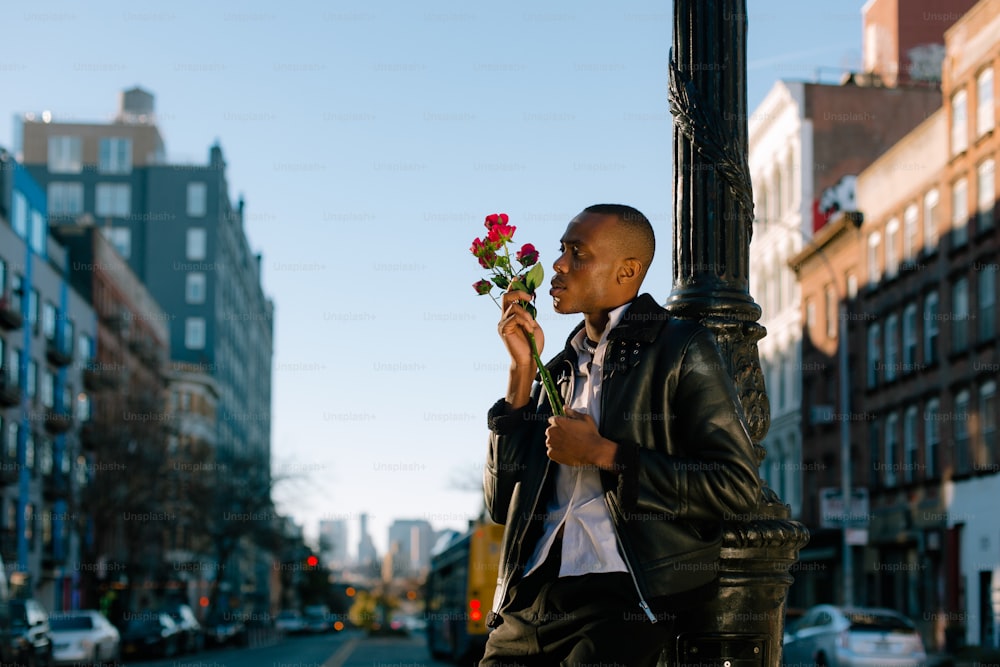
(713, 217)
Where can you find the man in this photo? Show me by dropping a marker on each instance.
(613, 511)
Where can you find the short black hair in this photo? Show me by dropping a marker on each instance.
(638, 239)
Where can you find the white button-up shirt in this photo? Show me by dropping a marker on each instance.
(589, 544)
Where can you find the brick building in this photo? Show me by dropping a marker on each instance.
(920, 278)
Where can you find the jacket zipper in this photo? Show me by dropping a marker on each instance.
(643, 605)
(505, 584)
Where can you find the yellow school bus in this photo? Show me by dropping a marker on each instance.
(460, 585)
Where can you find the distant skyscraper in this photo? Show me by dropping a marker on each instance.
(333, 542)
(366, 549)
(415, 538)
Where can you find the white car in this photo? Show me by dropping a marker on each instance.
(290, 621)
(83, 637)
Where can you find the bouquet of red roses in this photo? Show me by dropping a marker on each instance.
(493, 254)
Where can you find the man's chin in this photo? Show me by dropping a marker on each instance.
(563, 306)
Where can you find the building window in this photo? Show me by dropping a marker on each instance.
(931, 329)
(65, 155)
(194, 289)
(959, 212)
(115, 155)
(909, 338)
(988, 419)
(961, 431)
(959, 123)
(930, 220)
(891, 449)
(48, 389)
(39, 232)
(10, 440)
(874, 269)
(891, 347)
(960, 315)
(932, 436)
(82, 410)
(910, 233)
(65, 198)
(984, 102)
(120, 238)
(986, 194)
(19, 215)
(196, 243)
(892, 248)
(910, 464)
(49, 321)
(197, 200)
(85, 347)
(987, 292)
(874, 354)
(113, 200)
(194, 333)
(14, 366)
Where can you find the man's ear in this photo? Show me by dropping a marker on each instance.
(629, 271)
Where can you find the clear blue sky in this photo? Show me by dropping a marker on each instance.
(370, 139)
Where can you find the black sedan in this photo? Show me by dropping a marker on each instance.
(149, 634)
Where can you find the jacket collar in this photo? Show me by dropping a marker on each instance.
(641, 322)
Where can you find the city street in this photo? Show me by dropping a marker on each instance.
(345, 649)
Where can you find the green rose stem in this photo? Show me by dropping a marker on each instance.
(550, 387)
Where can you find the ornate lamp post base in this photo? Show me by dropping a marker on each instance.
(742, 626)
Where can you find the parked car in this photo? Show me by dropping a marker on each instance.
(192, 634)
(224, 630)
(24, 633)
(84, 637)
(290, 621)
(150, 633)
(830, 636)
(317, 622)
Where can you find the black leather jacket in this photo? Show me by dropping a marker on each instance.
(685, 460)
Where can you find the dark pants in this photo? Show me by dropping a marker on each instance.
(587, 619)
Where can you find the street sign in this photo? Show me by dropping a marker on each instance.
(833, 514)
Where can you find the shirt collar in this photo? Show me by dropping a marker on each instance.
(614, 317)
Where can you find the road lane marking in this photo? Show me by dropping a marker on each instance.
(342, 654)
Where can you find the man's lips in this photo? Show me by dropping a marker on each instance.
(556, 288)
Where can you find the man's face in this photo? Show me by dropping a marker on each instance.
(585, 279)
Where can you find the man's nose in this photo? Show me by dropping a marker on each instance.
(559, 266)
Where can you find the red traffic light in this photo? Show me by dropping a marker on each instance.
(312, 561)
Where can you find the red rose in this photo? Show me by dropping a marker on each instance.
(496, 218)
(527, 255)
(500, 233)
(482, 286)
(480, 248)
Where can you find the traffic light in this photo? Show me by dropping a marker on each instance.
(312, 560)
